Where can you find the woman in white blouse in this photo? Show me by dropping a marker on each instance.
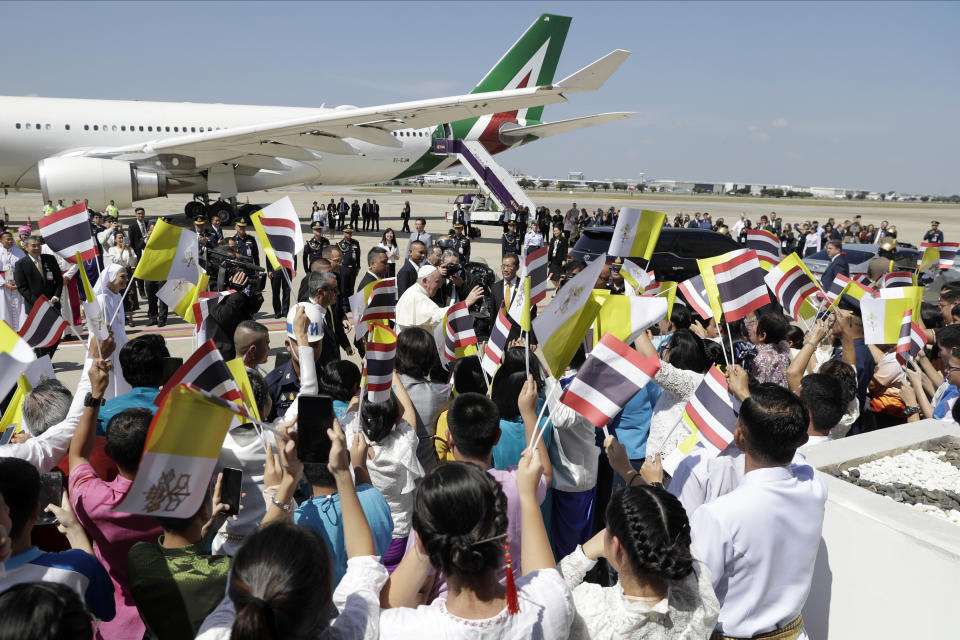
(662, 593)
(391, 459)
(122, 254)
(389, 244)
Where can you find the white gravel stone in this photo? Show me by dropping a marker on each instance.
(918, 467)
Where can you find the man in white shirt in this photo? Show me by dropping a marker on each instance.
(760, 541)
(420, 235)
(416, 309)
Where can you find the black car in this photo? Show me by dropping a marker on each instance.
(676, 253)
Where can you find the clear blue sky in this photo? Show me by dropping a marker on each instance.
(863, 95)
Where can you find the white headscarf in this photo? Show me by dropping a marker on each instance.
(109, 301)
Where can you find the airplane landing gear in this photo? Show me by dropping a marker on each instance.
(228, 211)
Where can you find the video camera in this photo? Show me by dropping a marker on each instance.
(221, 267)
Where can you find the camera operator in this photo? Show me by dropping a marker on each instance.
(230, 311)
(457, 283)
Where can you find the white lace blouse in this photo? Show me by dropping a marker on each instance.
(689, 612)
(678, 385)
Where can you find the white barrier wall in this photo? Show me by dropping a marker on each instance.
(885, 570)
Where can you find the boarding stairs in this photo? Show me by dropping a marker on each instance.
(487, 172)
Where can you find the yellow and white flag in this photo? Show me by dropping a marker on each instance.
(92, 311)
(171, 253)
(883, 315)
(239, 372)
(181, 295)
(636, 233)
(929, 262)
(15, 357)
(180, 454)
(626, 317)
(635, 278)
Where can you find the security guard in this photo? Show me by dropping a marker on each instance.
(246, 245)
(111, 210)
(315, 246)
(283, 383)
(351, 263)
(617, 285)
(510, 242)
(461, 243)
(885, 260)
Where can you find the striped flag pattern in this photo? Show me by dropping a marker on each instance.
(67, 232)
(458, 332)
(381, 352)
(635, 277)
(911, 339)
(206, 370)
(206, 300)
(695, 293)
(496, 344)
(278, 227)
(376, 302)
(535, 266)
(612, 374)
(791, 288)
(946, 250)
(44, 326)
(712, 412)
(765, 244)
(897, 279)
(741, 286)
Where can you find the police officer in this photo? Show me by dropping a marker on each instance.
(314, 248)
(461, 243)
(111, 210)
(510, 242)
(283, 383)
(934, 234)
(206, 239)
(617, 285)
(246, 245)
(351, 263)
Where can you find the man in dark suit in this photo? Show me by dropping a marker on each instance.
(376, 270)
(510, 285)
(365, 214)
(137, 233)
(838, 264)
(408, 272)
(35, 275)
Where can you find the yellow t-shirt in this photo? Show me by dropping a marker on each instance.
(444, 453)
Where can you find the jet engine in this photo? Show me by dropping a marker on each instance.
(98, 181)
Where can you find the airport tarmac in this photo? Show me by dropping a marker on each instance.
(911, 220)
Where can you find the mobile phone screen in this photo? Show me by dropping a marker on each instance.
(169, 367)
(7, 434)
(230, 489)
(314, 417)
(51, 491)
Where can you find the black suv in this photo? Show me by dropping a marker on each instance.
(675, 257)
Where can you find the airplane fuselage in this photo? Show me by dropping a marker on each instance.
(32, 129)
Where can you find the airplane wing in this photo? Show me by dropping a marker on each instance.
(328, 131)
(547, 129)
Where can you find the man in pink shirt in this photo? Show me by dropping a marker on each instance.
(93, 499)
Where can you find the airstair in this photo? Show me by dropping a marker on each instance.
(487, 172)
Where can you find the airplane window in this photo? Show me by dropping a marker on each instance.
(123, 127)
(168, 129)
(201, 129)
(86, 127)
(141, 127)
(67, 127)
(28, 125)
(18, 125)
(176, 129)
(96, 127)
(114, 128)
(104, 128)
(47, 127)
(193, 129)
(38, 126)
(149, 128)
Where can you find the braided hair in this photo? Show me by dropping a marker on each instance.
(460, 514)
(653, 529)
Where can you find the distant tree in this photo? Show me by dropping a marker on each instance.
(472, 182)
(771, 193)
(883, 196)
(924, 198)
(561, 185)
(593, 186)
(605, 185)
(861, 196)
(640, 187)
(849, 196)
(525, 183)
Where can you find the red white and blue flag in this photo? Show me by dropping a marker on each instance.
(496, 344)
(380, 355)
(695, 293)
(765, 244)
(44, 326)
(613, 373)
(206, 300)
(947, 250)
(741, 286)
(712, 412)
(456, 333)
(67, 232)
(791, 288)
(278, 227)
(912, 339)
(897, 279)
(206, 370)
(376, 302)
(535, 266)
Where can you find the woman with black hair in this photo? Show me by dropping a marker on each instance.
(460, 520)
(388, 242)
(391, 459)
(43, 611)
(340, 380)
(662, 591)
(769, 331)
(416, 357)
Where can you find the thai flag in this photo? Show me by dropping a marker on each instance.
(458, 332)
(44, 326)
(279, 229)
(897, 279)
(791, 288)
(741, 286)
(912, 339)
(67, 232)
(496, 344)
(381, 353)
(712, 412)
(695, 293)
(612, 374)
(381, 302)
(206, 300)
(947, 250)
(535, 266)
(765, 244)
(206, 370)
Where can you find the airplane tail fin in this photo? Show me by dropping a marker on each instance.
(531, 61)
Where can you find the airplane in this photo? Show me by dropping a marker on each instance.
(131, 151)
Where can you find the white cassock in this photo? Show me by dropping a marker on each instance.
(416, 309)
(112, 305)
(11, 302)
(760, 542)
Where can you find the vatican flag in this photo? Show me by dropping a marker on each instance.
(636, 233)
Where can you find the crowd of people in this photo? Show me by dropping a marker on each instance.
(433, 516)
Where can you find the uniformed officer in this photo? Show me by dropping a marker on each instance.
(246, 245)
(510, 243)
(351, 263)
(314, 248)
(617, 284)
(111, 210)
(461, 243)
(206, 239)
(48, 208)
(283, 383)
